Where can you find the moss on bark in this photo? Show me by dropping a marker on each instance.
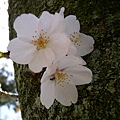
(99, 100)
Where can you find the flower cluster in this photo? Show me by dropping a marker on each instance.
(56, 43)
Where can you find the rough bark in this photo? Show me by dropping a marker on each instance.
(99, 100)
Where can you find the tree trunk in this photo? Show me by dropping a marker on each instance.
(99, 100)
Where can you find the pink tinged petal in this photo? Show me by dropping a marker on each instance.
(79, 74)
(21, 52)
(66, 94)
(50, 23)
(45, 21)
(43, 58)
(59, 44)
(71, 25)
(70, 61)
(47, 93)
(84, 44)
(26, 25)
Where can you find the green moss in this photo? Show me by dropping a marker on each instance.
(97, 101)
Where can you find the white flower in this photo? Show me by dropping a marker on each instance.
(59, 80)
(39, 41)
(83, 43)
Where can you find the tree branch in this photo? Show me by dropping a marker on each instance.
(4, 93)
(6, 54)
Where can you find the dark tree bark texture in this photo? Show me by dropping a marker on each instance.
(99, 100)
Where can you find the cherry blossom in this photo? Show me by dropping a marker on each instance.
(59, 80)
(53, 41)
(83, 43)
(39, 41)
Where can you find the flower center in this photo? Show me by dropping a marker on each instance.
(61, 78)
(40, 43)
(74, 38)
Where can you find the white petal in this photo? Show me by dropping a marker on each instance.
(35, 65)
(45, 77)
(66, 94)
(49, 56)
(71, 49)
(79, 74)
(47, 93)
(84, 44)
(21, 52)
(57, 25)
(43, 58)
(45, 21)
(59, 44)
(71, 25)
(62, 11)
(49, 71)
(50, 23)
(52, 69)
(26, 25)
(25, 40)
(70, 61)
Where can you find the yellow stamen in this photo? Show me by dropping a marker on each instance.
(74, 38)
(61, 78)
(40, 43)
